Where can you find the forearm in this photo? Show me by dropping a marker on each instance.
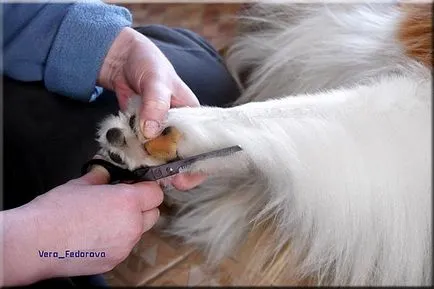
(21, 262)
(71, 41)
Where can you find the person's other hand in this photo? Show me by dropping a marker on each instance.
(86, 214)
(136, 66)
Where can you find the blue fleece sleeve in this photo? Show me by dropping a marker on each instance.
(62, 44)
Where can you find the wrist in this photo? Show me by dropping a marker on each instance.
(22, 264)
(116, 57)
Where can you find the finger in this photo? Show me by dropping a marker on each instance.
(123, 94)
(156, 104)
(123, 100)
(150, 218)
(97, 175)
(184, 182)
(151, 195)
(184, 96)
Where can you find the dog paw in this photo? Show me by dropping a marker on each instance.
(122, 142)
(188, 132)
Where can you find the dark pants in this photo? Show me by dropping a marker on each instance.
(48, 137)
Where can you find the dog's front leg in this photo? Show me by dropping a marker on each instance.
(347, 176)
(343, 175)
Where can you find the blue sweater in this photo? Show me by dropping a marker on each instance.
(62, 44)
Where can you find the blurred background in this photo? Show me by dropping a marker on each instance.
(213, 20)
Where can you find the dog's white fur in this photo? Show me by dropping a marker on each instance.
(342, 170)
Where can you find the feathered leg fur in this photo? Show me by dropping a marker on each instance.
(334, 183)
(343, 176)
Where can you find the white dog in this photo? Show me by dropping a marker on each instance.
(333, 185)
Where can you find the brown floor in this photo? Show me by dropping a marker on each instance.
(161, 261)
(156, 260)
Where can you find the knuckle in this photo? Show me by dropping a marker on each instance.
(153, 194)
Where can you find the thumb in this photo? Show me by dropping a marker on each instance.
(183, 95)
(156, 104)
(97, 175)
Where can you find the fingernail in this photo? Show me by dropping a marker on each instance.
(150, 128)
(98, 168)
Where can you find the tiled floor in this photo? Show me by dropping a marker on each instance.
(156, 260)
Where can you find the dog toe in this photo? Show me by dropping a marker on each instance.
(115, 137)
(164, 147)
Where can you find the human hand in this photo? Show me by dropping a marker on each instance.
(136, 66)
(86, 214)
